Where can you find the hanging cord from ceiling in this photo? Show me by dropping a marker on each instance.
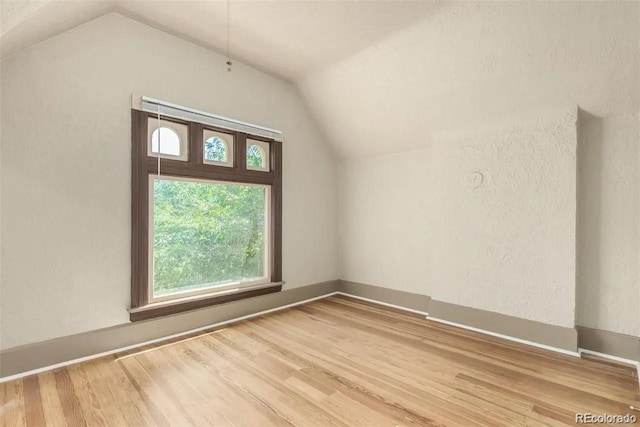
(229, 63)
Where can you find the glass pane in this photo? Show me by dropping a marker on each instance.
(255, 157)
(207, 234)
(168, 141)
(215, 149)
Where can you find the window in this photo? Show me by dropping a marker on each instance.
(207, 235)
(169, 139)
(206, 229)
(218, 148)
(257, 155)
(165, 141)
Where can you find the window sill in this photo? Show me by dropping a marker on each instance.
(176, 306)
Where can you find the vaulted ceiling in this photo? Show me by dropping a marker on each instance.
(382, 76)
(286, 38)
(479, 64)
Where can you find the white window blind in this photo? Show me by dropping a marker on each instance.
(177, 111)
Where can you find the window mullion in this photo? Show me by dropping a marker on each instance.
(240, 151)
(196, 144)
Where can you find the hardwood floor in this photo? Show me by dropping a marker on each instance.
(334, 362)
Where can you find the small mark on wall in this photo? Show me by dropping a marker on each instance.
(475, 179)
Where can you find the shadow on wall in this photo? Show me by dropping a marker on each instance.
(608, 224)
(589, 156)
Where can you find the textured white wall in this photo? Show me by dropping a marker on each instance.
(608, 282)
(415, 221)
(66, 169)
(505, 219)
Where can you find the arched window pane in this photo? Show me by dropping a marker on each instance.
(165, 141)
(215, 149)
(255, 157)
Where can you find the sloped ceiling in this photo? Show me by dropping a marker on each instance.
(285, 38)
(383, 76)
(477, 64)
(26, 22)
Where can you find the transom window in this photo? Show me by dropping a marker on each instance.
(167, 138)
(218, 148)
(206, 227)
(257, 155)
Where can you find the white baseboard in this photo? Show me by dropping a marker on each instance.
(506, 337)
(631, 362)
(494, 334)
(386, 304)
(608, 356)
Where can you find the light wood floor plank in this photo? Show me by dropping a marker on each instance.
(83, 388)
(71, 406)
(158, 400)
(52, 407)
(13, 408)
(33, 402)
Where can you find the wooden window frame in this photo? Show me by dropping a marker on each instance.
(143, 166)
